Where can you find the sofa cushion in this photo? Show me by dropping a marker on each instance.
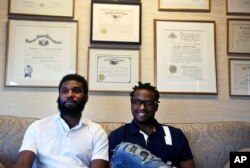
(211, 143)
(11, 134)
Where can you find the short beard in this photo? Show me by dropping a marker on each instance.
(76, 111)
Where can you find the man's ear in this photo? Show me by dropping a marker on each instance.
(58, 99)
(156, 106)
(86, 98)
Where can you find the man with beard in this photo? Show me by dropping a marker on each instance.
(65, 140)
(144, 142)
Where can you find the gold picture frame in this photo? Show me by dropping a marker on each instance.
(37, 53)
(238, 7)
(60, 8)
(184, 5)
(185, 58)
(238, 38)
(239, 77)
(113, 70)
(115, 22)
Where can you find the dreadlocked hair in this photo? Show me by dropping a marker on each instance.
(146, 86)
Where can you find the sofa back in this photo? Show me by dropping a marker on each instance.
(12, 130)
(209, 142)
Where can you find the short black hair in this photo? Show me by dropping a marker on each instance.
(78, 78)
(146, 86)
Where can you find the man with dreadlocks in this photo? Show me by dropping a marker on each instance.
(144, 142)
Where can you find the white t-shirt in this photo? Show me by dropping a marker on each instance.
(58, 146)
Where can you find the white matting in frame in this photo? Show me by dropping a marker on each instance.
(63, 8)
(239, 7)
(239, 77)
(115, 70)
(40, 53)
(186, 5)
(113, 22)
(185, 57)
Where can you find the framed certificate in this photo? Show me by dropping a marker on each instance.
(184, 5)
(63, 8)
(113, 22)
(37, 53)
(185, 57)
(239, 77)
(115, 70)
(238, 7)
(238, 37)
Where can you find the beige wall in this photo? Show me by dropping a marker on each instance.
(104, 106)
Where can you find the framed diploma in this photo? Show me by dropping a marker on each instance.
(185, 57)
(239, 77)
(37, 53)
(63, 8)
(240, 7)
(115, 22)
(238, 36)
(115, 70)
(184, 5)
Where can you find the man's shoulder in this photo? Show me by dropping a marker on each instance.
(91, 125)
(45, 120)
(176, 133)
(171, 127)
(89, 122)
(121, 129)
(42, 124)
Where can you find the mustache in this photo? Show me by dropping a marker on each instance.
(70, 100)
(70, 111)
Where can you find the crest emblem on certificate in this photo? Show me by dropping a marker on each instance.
(43, 40)
(28, 71)
(172, 35)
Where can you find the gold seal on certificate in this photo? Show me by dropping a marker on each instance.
(172, 68)
(101, 77)
(104, 30)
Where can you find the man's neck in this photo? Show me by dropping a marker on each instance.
(148, 127)
(71, 120)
